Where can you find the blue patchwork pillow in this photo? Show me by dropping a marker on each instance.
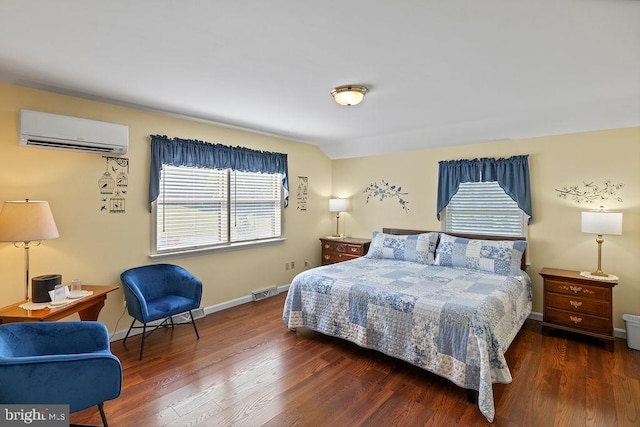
(419, 248)
(496, 256)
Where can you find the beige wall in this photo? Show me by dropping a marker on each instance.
(555, 239)
(96, 246)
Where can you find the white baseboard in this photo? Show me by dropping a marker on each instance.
(238, 301)
(535, 316)
(118, 335)
(620, 333)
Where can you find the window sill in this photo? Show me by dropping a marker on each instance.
(225, 248)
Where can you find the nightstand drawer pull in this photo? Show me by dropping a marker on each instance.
(576, 304)
(327, 256)
(575, 319)
(576, 289)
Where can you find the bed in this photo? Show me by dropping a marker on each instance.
(450, 304)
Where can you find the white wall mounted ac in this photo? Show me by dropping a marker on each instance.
(48, 130)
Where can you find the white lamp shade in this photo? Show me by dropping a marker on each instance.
(27, 221)
(601, 222)
(339, 205)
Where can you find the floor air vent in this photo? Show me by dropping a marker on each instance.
(198, 313)
(265, 293)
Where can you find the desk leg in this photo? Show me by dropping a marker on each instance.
(91, 312)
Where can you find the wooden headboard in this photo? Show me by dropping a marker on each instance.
(402, 231)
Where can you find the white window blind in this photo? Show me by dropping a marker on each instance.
(199, 208)
(256, 206)
(484, 208)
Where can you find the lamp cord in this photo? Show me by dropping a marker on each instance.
(115, 329)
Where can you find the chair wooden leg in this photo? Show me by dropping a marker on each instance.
(130, 327)
(194, 325)
(102, 414)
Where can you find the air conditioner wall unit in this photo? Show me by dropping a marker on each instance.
(54, 131)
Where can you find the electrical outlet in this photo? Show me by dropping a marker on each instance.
(293, 265)
(286, 266)
(306, 263)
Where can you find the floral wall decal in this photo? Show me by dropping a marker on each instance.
(385, 190)
(591, 192)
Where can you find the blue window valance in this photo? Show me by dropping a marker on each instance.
(512, 174)
(193, 153)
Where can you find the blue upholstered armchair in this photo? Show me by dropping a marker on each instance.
(58, 363)
(159, 291)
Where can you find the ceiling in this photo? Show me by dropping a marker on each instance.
(439, 72)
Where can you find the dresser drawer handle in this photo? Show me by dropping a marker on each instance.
(327, 257)
(575, 319)
(354, 250)
(327, 246)
(575, 304)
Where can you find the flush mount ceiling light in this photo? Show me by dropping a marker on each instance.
(349, 94)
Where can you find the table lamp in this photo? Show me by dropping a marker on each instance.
(601, 223)
(26, 223)
(337, 206)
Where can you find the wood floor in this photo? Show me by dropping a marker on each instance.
(247, 369)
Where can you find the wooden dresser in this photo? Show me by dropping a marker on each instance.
(338, 250)
(578, 304)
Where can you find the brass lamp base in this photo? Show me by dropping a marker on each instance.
(599, 271)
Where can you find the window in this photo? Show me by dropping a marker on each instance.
(256, 206)
(199, 208)
(492, 196)
(484, 208)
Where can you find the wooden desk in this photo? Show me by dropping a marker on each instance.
(88, 308)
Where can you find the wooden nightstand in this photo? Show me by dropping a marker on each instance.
(338, 250)
(578, 304)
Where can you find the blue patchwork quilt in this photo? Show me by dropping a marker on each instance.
(456, 323)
